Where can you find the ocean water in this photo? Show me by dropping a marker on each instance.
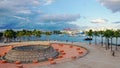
(56, 37)
(69, 38)
(66, 37)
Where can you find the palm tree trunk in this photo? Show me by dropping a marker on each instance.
(89, 42)
(95, 40)
(102, 41)
(8, 40)
(116, 43)
(108, 44)
(111, 44)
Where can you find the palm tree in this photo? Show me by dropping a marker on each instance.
(20, 34)
(1, 35)
(28, 34)
(8, 34)
(37, 33)
(116, 35)
(14, 34)
(101, 33)
(90, 34)
(23, 34)
(111, 33)
(107, 36)
(95, 33)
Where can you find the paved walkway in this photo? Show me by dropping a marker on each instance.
(97, 57)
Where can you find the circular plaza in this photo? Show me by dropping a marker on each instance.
(29, 54)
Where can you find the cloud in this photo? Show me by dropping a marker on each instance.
(26, 14)
(18, 6)
(103, 27)
(47, 2)
(114, 5)
(99, 20)
(59, 17)
(117, 22)
(44, 26)
(118, 27)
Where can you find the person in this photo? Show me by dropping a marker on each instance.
(113, 53)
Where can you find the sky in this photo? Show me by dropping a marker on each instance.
(59, 14)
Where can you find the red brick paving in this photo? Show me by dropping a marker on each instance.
(66, 52)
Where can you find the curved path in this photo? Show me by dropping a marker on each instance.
(97, 57)
(68, 52)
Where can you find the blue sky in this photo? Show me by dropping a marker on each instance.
(59, 14)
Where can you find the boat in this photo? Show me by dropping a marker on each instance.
(88, 38)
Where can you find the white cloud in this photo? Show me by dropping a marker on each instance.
(22, 18)
(17, 14)
(60, 17)
(21, 6)
(99, 20)
(114, 5)
(102, 27)
(47, 2)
